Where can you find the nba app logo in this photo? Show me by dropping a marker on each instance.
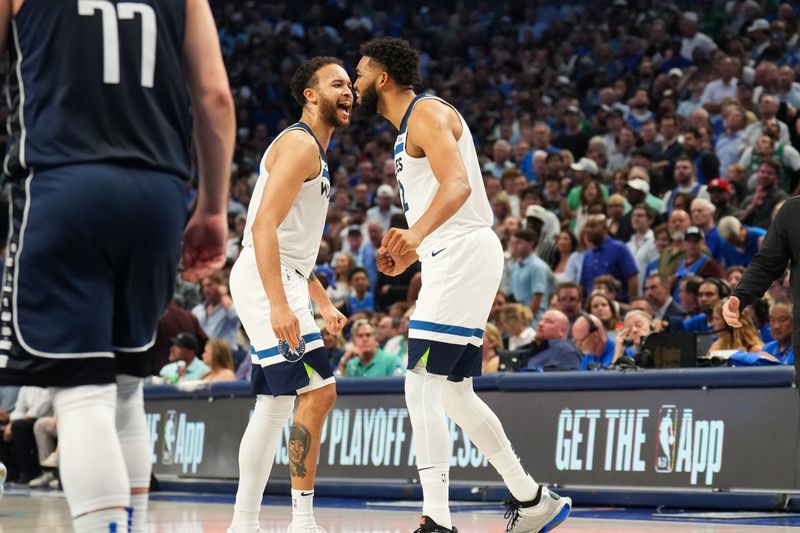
(666, 442)
(168, 444)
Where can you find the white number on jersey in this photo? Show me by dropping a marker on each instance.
(109, 16)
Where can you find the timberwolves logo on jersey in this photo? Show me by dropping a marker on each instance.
(288, 353)
(325, 189)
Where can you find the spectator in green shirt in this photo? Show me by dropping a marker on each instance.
(365, 358)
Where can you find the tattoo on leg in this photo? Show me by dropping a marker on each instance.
(299, 442)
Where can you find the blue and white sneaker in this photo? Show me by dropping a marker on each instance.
(550, 511)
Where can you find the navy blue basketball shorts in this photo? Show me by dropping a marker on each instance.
(459, 283)
(89, 269)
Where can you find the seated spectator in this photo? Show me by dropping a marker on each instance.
(642, 304)
(687, 294)
(756, 209)
(739, 242)
(591, 339)
(734, 275)
(218, 357)
(566, 246)
(217, 315)
(721, 193)
(500, 301)
(730, 339)
(664, 307)
(695, 261)
(389, 338)
(677, 224)
(550, 349)
(615, 209)
(662, 241)
(780, 321)
(18, 445)
(608, 256)
(339, 287)
(515, 321)
(702, 214)
(184, 364)
(360, 299)
(709, 294)
(570, 300)
(575, 261)
(174, 320)
(8, 399)
(532, 282)
(492, 343)
(600, 305)
(638, 326)
(334, 344)
(364, 358)
(45, 431)
(610, 286)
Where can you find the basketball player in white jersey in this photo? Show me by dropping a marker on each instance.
(271, 282)
(450, 231)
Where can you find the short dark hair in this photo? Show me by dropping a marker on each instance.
(306, 75)
(397, 57)
(527, 234)
(355, 271)
(774, 165)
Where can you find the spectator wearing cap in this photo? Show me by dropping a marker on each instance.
(354, 244)
(501, 158)
(546, 226)
(721, 88)
(695, 261)
(720, 193)
(596, 347)
(184, 364)
(174, 320)
(693, 40)
(550, 349)
(585, 171)
(608, 256)
(385, 208)
(731, 143)
(706, 162)
(740, 243)
(756, 209)
(637, 189)
(532, 281)
(573, 138)
(758, 32)
(685, 181)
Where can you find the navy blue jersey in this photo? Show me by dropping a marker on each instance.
(98, 81)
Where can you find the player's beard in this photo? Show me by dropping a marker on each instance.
(329, 112)
(368, 106)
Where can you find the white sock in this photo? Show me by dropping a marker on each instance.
(139, 512)
(256, 455)
(431, 440)
(107, 520)
(484, 429)
(303, 507)
(435, 481)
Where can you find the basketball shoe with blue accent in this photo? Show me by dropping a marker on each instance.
(546, 514)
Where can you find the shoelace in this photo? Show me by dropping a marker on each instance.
(512, 515)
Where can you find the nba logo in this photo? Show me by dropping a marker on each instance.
(289, 354)
(665, 445)
(168, 444)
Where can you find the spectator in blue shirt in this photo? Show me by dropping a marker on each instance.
(739, 243)
(217, 315)
(608, 256)
(360, 299)
(780, 320)
(711, 291)
(532, 281)
(550, 349)
(593, 342)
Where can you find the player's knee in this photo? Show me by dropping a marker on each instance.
(321, 400)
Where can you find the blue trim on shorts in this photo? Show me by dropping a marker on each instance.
(456, 361)
(283, 379)
(272, 352)
(461, 331)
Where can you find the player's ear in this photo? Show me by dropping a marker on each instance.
(310, 94)
(382, 80)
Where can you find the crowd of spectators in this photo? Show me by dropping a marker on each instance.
(634, 153)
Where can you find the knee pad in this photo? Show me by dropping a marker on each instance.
(134, 437)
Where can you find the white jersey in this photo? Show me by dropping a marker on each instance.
(301, 231)
(418, 186)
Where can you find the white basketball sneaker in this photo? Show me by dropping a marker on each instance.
(545, 516)
(3, 474)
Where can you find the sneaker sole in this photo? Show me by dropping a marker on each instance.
(559, 518)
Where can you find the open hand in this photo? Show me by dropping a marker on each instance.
(730, 312)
